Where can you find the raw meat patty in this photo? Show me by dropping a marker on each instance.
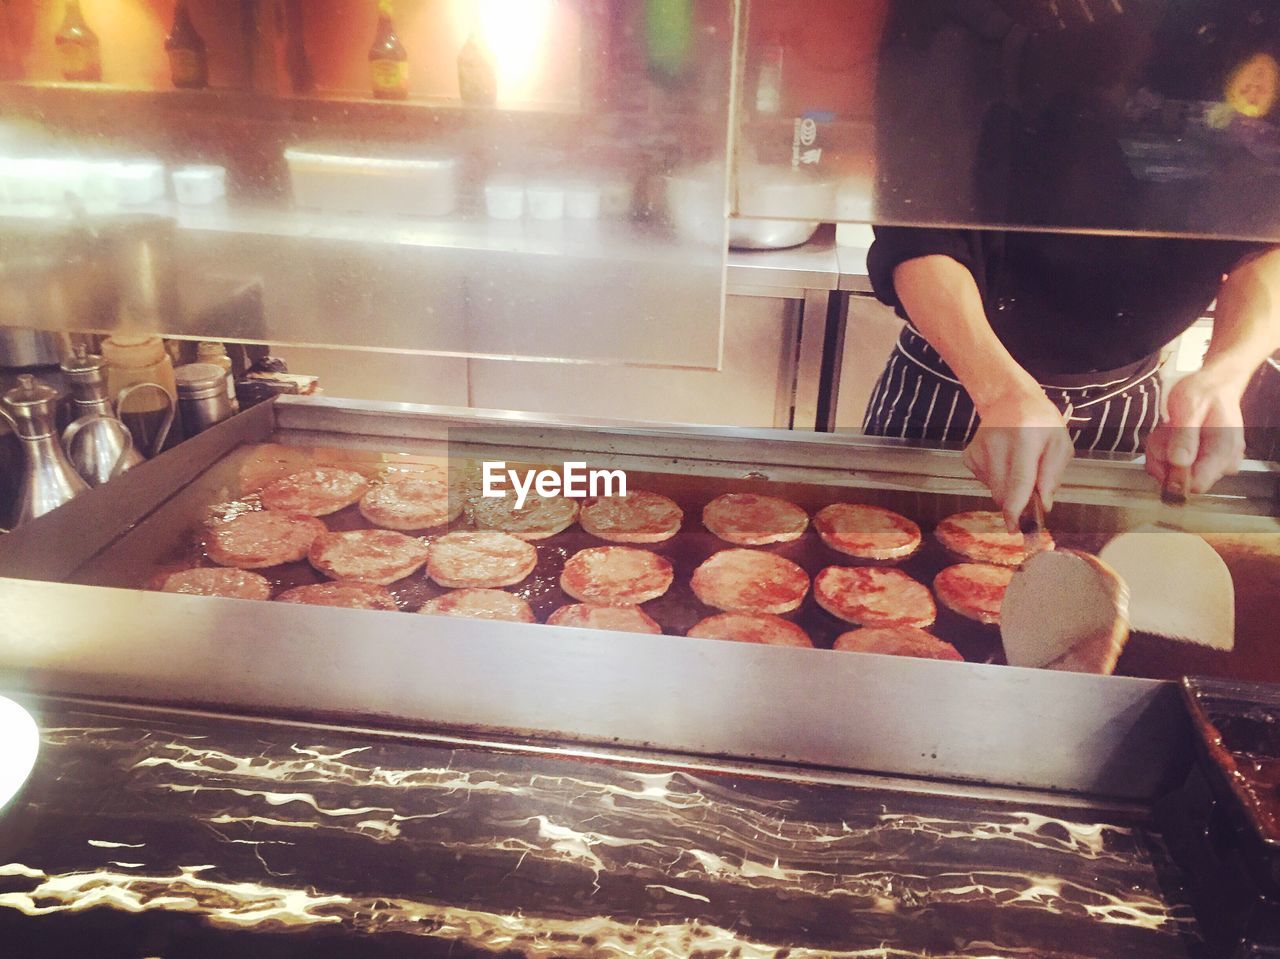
(764, 629)
(638, 517)
(480, 559)
(616, 576)
(750, 581)
(346, 595)
(411, 501)
(748, 519)
(981, 537)
(480, 604)
(316, 492)
(623, 619)
(539, 518)
(867, 532)
(218, 581)
(870, 596)
(260, 539)
(897, 641)
(368, 555)
(974, 590)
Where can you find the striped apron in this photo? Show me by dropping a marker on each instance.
(918, 397)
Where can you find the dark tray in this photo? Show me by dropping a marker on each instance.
(1237, 744)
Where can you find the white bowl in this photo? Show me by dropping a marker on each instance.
(546, 200)
(504, 198)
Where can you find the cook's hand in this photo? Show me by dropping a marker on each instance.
(1204, 431)
(1021, 446)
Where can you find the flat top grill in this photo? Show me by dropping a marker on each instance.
(173, 540)
(1114, 736)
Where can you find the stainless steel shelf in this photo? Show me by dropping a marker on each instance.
(818, 265)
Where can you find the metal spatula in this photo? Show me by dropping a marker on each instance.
(1179, 587)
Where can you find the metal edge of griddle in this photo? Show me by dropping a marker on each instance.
(1103, 479)
(1029, 729)
(53, 546)
(494, 741)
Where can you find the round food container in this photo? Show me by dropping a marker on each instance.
(546, 200)
(504, 198)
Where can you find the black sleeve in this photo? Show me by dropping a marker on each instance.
(895, 245)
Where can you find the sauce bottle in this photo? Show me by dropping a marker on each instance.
(78, 48)
(388, 60)
(477, 75)
(188, 61)
(140, 359)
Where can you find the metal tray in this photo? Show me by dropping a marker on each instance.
(1237, 740)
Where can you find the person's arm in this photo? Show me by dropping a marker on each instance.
(1022, 445)
(1204, 429)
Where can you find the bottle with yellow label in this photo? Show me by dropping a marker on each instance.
(188, 61)
(78, 48)
(388, 60)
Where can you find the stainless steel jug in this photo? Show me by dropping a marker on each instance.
(99, 445)
(48, 478)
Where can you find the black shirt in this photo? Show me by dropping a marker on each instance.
(1069, 303)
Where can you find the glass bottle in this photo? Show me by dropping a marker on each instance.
(78, 48)
(477, 74)
(388, 59)
(188, 60)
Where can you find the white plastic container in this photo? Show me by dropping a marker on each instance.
(546, 200)
(504, 197)
(582, 200)
(199, 185)
(139, 182)
(56, 179)
(337, 182)
(96, 183)
(18, 176)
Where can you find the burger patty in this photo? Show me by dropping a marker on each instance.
(982, 537)
(480, 559)
(897, 641)
(870, 596)
(974, 590)
(539, 518)
(411, 501)
(346, 595)
(616, 576)
(750, 581)
(217, 581)
(762, 628)
(368, 555)
(623, 619)
(638, 517)
(749, 519)
(261, 539)
(316, 492)
(867, 532)
(480, 604)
